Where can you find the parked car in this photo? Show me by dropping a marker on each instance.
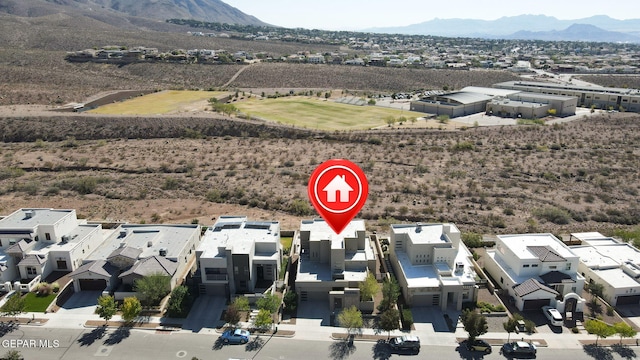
(237, 336)
(519, 348)
(408, 343)
(553, 315)
(479, 345)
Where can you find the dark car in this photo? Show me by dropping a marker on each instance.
(237, 336)
(519, 348)
(479, 345)
(405, 343)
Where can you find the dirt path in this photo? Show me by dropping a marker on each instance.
(235, 76)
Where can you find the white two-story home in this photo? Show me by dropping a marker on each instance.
(331, 266)
(614, 264)
(536, 270)
(432, 265)
(36, 242)
(238, 256)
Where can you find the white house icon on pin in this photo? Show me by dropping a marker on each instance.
(338, 185)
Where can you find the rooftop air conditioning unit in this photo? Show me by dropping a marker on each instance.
(162, 251)
(65, 239)
(28, 214)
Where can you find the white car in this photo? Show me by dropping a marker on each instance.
(554, 316)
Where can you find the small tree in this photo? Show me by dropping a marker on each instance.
(241, 303)
(510, 326)
(390, 294)
(351, 318)
(474, 323)
(179, 302)
(594, 289)
(269, 302)
(290, 301)
(263, 319)
(232, 315)
(388, 321)
(14, 306)
(131, 308)
(106, 307)
(599, 329)
(624, 330)
(368, 288)
(153, 288)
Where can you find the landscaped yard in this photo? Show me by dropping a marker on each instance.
(35, 303)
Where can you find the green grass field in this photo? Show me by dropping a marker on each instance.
(157, 103)
(320, 114)
(35, 303)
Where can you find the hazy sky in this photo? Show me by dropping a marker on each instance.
(362, 14)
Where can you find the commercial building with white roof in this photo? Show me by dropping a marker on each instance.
(35, 241)
(331, 265)
(432, 265)
(238, 256)
(614, 264)
(535, 269)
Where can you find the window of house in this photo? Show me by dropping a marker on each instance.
(235, 270)
(501, 281)
(534, 265)
(568, 267)
(525, 265)
(553, 267)
(47, 236)
(31, 270)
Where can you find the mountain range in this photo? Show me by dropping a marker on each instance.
(540, 27)
(151, 14)
(204, 10)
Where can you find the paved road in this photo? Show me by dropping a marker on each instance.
(76, 344)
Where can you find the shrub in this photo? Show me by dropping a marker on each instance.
(554, 215)
(407, 319)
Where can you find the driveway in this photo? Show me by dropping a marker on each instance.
(313, 313)
(205, 314)
(80, 307)
(431, 319)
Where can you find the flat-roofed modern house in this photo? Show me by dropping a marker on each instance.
(239, 256)
(133, 251)
(331, 266)
(614, 264)
(535, 269)
(35, 242)
(432, 265)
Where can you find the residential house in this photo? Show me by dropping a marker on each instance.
(614, 264)
(331, 266)
(35, 242)
(134, 251)
(238, 256)
(536, 270)
(432, 265)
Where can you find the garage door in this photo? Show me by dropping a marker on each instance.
(426, 300)
(92, 284)
(628, 300)
(534, 304)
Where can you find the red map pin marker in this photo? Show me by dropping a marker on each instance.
(338, 189)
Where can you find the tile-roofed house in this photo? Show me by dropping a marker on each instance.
(155, 265)
(95, 275)
(545, 253)
(36, 241)
(530, 259)
(531, 286)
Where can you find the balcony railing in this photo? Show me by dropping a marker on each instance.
(216, 277)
